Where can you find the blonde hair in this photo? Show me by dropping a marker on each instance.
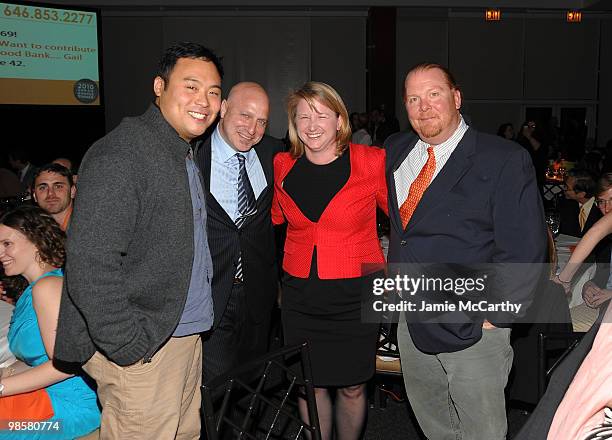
(325, 94)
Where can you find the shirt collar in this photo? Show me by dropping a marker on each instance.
(588, 204)
(224, 152)
(449, 144)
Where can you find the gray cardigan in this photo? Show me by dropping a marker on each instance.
(130, 246)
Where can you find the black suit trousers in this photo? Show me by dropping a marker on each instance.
(236, 339)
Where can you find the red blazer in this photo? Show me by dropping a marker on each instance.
(345, 235)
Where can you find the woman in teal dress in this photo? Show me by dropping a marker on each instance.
(32, 245)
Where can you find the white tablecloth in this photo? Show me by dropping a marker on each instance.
(6, 311)
(563, 243)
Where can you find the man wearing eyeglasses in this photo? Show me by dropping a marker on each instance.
(599, 289)
(236, 165)
(576, 211)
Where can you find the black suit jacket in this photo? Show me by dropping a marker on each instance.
(569, 211)
(28, 179)
(483, 207)
(255, 239)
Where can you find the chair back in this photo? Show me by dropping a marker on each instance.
(259, 399)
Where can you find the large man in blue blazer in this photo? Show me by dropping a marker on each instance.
(474, 201)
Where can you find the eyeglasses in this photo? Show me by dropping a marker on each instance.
(601, 202)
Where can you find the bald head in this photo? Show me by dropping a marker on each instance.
(251, 89)
(244, 116)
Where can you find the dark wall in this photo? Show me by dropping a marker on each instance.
(508, 68)
(48, 132)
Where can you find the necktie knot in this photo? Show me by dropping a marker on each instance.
(246, 197)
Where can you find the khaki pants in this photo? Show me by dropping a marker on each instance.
(155, 400)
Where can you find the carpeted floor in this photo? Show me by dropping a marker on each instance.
(397, 422)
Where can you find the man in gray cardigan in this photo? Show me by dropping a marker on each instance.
(137, 292)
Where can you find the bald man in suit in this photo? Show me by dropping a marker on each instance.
(245, 283)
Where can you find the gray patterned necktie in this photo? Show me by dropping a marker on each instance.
(246, 203)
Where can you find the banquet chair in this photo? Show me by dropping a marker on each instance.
(546, 347)
(548, 342)
(388, 365)
(259, 399)
(534, 350)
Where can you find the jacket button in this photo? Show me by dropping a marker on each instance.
(403, 242)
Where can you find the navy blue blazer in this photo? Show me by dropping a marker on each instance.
(483, 207)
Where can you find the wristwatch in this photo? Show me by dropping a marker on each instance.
(1, 388)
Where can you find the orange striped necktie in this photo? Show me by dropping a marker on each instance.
(418, 187)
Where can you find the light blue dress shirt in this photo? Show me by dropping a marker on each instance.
(198, 314)
(224, 174)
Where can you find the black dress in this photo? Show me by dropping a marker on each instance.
(327, 313)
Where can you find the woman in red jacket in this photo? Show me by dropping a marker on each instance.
(327, 190)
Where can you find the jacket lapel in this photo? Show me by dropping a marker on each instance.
(203, 159)
(286, 166)
(456, 166)
(394, 160)
(268, 170)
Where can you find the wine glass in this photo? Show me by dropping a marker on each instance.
(552, 220)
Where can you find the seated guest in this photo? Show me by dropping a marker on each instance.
(32, 245)
(54, 192)
(576, 212)
(580, 390)
(18, 159)
(506, 131)
(578, 396)
(10, 186)
(600, 286)
(360, 134)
